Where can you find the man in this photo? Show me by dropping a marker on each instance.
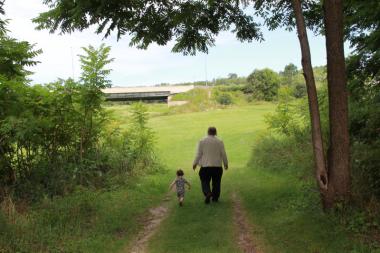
(210, 156)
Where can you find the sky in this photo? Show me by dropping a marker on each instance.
(157, 64)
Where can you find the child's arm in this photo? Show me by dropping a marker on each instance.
(188, 184)
(171, 185)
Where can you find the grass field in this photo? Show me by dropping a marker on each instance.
(177, 139)
(286, 216)
(287, 219)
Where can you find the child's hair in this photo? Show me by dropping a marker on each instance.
(180, 173)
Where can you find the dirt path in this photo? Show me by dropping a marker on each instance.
(151, 223)
(243, 229)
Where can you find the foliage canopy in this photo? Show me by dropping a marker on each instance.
(263, 84)
(192, 24)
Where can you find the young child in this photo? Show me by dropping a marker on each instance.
(180, 182)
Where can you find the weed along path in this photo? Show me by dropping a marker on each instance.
(151, 221)
(244, 232)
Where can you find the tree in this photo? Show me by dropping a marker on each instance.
(339, 149)
(290, 71)
(232, 76)
(94, 77)
(223, 98)
(15, 55)
(362, 27)
(194, 24)
(140, 139)
(324, 17)
(316, 132)
(93, 65)
(263, 84)
(3, 23)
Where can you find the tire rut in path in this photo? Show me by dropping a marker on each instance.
(243, 229)
(151, 223)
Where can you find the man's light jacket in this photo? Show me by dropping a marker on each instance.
(211, 153)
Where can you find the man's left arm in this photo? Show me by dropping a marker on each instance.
(198, 155)
(224, 157)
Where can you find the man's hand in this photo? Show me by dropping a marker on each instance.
(226, 167)
(194, 166)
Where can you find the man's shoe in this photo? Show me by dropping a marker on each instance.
(207, 199)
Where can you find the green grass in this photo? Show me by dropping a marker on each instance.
(196, 95)
(283, 209)
(122, 112)
(196, 227)
(85, 221)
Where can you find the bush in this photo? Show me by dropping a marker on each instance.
(198, 100)
(224, 98)
(365, 170)
(283, 153)
(197, 95)
(263, 84)
(365, 135)
(287, 119)
(300, 90)
(290, 148)
(230, 88)
(55, 139)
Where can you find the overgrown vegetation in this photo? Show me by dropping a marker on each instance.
(287, 148)
(84, 221)
(54, 137)
(57, 140)
(197, 99)
(60, 152)
(260, 85)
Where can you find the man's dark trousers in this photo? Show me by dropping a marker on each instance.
(213, 174)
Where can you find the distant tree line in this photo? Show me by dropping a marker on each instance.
(263, 84)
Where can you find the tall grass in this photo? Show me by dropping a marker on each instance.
(286, 149)
(85, 221)
(92, 215)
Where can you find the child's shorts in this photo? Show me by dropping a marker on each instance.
(180, 194)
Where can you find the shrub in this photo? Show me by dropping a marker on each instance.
(224, 98)
(140, 140)
(300, 90)
(263, 84)
(365, 170)
(198, 100)
(196, 95)
(282, 153)
(287, 118)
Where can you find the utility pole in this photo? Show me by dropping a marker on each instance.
(72, 62)
(206, 69)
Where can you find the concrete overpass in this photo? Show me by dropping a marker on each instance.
(148, 94)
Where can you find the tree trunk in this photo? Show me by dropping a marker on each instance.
(318, 151)
(338, 153)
